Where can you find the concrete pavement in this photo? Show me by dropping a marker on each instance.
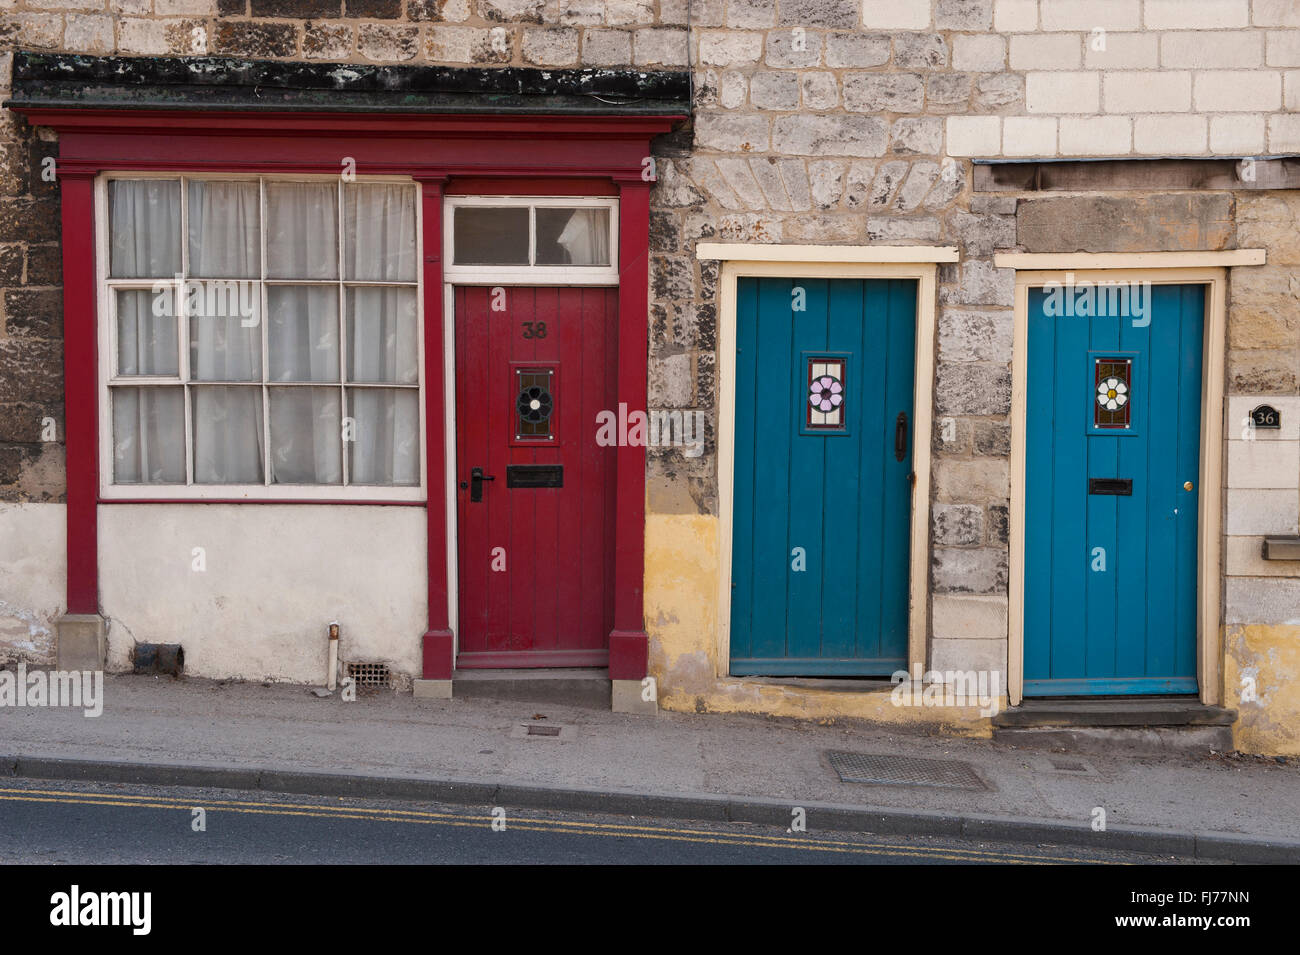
(708, 766)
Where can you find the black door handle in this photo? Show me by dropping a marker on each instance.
(476, 479)
(900, 436)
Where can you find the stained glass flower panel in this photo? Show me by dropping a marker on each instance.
(1112, 392)
(825, 395)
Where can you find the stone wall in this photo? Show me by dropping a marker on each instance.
(31, 320)
(997, 77)
(1262, 597)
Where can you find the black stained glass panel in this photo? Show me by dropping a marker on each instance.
(535, 403)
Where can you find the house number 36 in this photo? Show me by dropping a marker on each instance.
(534, 329)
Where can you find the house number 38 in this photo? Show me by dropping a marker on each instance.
(534, 329)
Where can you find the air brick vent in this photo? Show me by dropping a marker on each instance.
(370, 674)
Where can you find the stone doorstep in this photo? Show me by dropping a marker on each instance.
(1113, 712)
(1187, 739)
(589, 688)
(856, 685)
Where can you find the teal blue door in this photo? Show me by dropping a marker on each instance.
(823, 462)
(1113, 429)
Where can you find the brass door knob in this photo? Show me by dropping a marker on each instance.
(1187, 485)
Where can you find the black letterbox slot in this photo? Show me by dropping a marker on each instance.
(1120, 486)
(535, 475)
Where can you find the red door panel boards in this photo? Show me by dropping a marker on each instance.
(536, 563)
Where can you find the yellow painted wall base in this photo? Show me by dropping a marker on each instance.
(681, 612)
(681, 606)
(1267, 656)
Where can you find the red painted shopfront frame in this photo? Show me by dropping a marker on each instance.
(443, 153)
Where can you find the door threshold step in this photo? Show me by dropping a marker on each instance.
(588, 688)
(837, 684)
(1186, 739)
(1039, 714)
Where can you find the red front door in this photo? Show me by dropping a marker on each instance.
(534, 490)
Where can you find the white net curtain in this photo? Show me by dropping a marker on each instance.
(329, 372)
(585, 237)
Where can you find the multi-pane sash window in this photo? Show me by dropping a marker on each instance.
(264, 333)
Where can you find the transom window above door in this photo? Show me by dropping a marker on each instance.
(260, 338)
(535, 240)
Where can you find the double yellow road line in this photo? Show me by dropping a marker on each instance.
(803, 843)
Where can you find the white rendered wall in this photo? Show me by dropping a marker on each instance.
(33, 579)
(273, 578)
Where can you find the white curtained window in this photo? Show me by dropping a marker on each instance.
(524, 234)
(274, 343)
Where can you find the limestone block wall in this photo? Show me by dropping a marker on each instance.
(31, 320)
(1262, 597)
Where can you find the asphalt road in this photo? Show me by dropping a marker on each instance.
(72, 823)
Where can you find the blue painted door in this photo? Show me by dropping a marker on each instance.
(1113, 448)
(824, 374)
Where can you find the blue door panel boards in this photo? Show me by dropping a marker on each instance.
(820, 540)
(1113, 427)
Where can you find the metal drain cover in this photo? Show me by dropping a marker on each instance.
(1069, 766)
(564, 732)
(903, 770)
(1062, 765)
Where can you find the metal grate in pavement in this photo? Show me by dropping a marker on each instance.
(1068, 765)
(563, 732)
(903, 770)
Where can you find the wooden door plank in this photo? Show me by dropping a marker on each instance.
(1069, 498)
(471, 450)
(772, 489)
(1165, 494)
(746, 462)
(896, 494)
(1131, 570)
(609, 299)
(841, 632)
(1102, 636)
(498, 408)
(806, 504)
(547, 556)
(1040, 479)
(1191, 305)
